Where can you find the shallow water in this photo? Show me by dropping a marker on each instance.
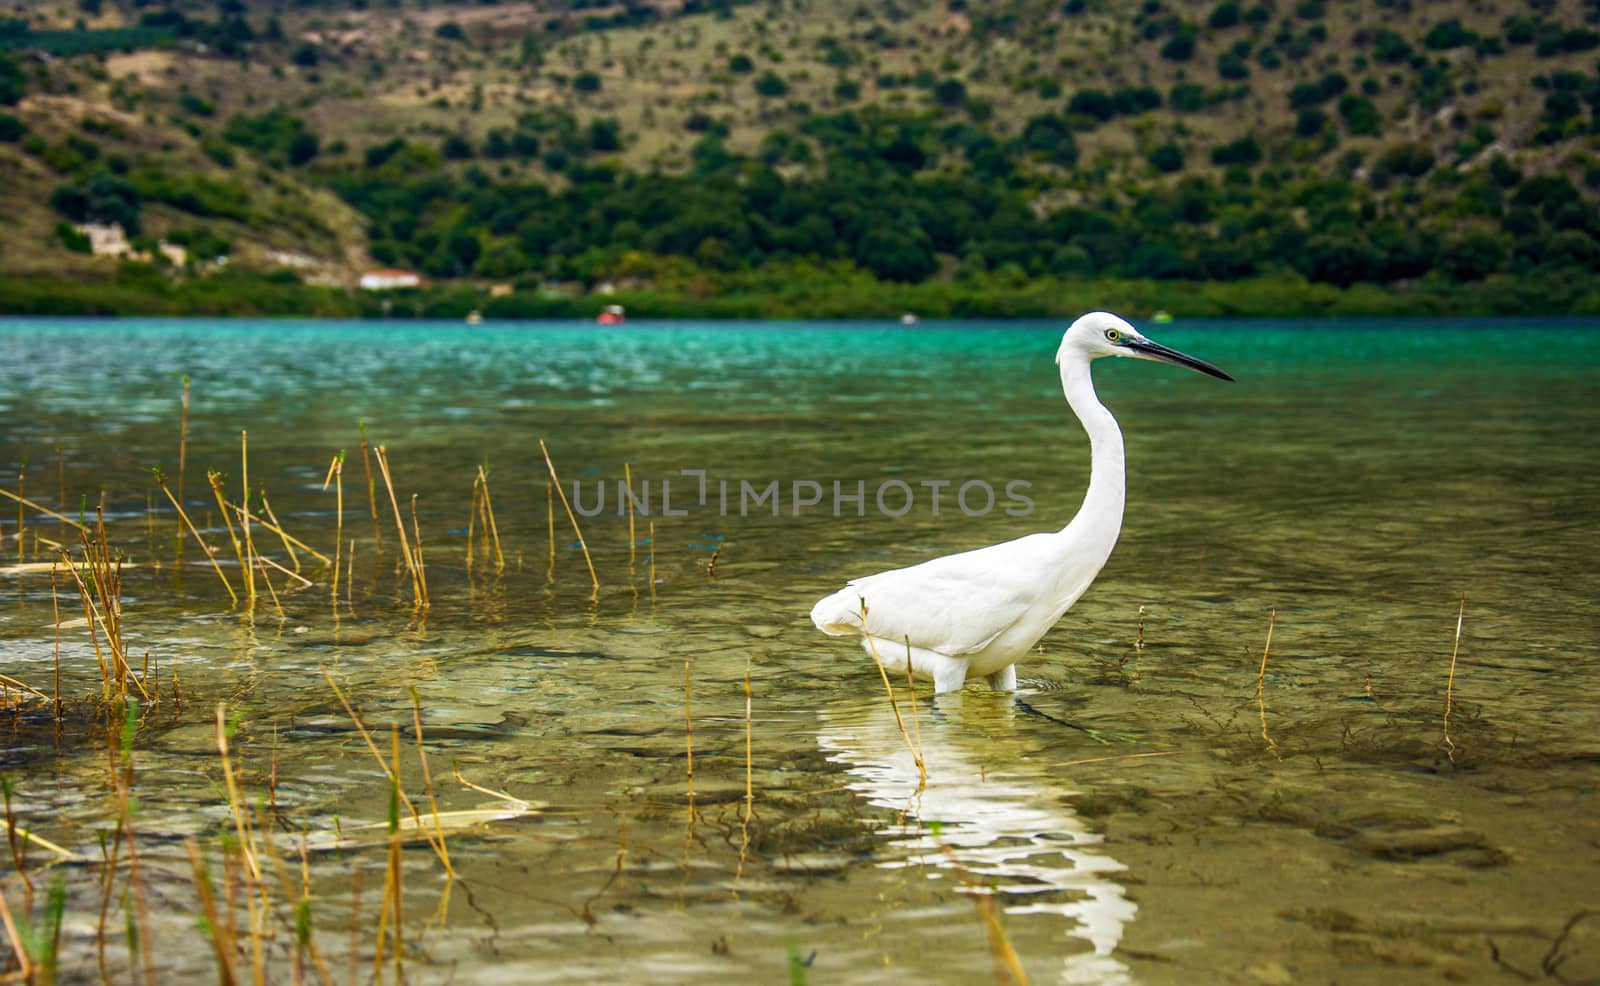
(1139, 814)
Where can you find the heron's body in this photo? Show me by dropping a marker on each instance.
(974, 614)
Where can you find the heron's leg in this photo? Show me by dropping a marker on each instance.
(1004, 680)
(949, 674)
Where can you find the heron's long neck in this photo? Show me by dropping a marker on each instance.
(1093, 532)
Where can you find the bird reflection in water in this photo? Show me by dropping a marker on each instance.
(1007, 827)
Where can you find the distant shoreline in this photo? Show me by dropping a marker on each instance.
(151, 293)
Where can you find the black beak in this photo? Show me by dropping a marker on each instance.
(1154, 350)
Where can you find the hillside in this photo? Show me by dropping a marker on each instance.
(699, 148)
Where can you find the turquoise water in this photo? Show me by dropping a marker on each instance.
(1357, 481)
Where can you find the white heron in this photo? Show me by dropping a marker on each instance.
(974, 614)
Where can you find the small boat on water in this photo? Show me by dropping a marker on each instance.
(1162, 317)
(612, 315)
(474, 317)
(909, 318)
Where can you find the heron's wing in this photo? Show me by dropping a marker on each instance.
(954, 605)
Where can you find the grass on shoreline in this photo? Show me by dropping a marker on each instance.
(804, 292)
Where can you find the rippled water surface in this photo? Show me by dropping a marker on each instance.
(1139, 811)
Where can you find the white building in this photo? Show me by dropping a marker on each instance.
(389, 279)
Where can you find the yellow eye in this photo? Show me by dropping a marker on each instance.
(1112, 335)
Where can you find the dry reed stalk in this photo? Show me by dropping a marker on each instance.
(25, 965)
(372, 491)
(244, 519)
(1005, 958)
(107, 882)
(1133, 756)
(550, 521)
(1450, 683)
(749, 724)
(652, 561)
(43, 510)
(89, 615)
(627, 480)
(417, 592)
(183, 436)
(7, 681)
(494, 527)
(456, 770)
(305, 583)
(355, 924)
(872, 645)
(221, 935)
(140, 919)
(350, 572)
(241, 824)
(472, 519)
(227, 510)
(688, 738)
(277, 528)
(1138, 639)
(198, 539)
(916, 723)
(422, 564)
(749, 780)
(563, 494)
(1261, 678)
(260, 564)
(336, 473)
(397, 873)
(427, 780)
(304, 944)
(438, 848)
(19, 852)
(55, 609)
(22, 478)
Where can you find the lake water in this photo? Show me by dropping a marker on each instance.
(1138, 811)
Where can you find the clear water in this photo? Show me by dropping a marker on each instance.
(1357, 481)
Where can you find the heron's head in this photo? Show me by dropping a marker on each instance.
(1100, 334)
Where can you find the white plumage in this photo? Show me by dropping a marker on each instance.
(974, 614)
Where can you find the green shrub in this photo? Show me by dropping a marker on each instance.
(1092, 103)
(1179, 48)
(1360, 115)
(1230, 66)
(12, 82)
(1167, 158)
(195, 105)
(1246, 151)
(771, 85)
(1448, 34)
(73, 238)
(1224, 15)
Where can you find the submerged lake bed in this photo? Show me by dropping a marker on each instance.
(1326, 715)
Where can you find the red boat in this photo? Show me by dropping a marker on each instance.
(612, 315)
